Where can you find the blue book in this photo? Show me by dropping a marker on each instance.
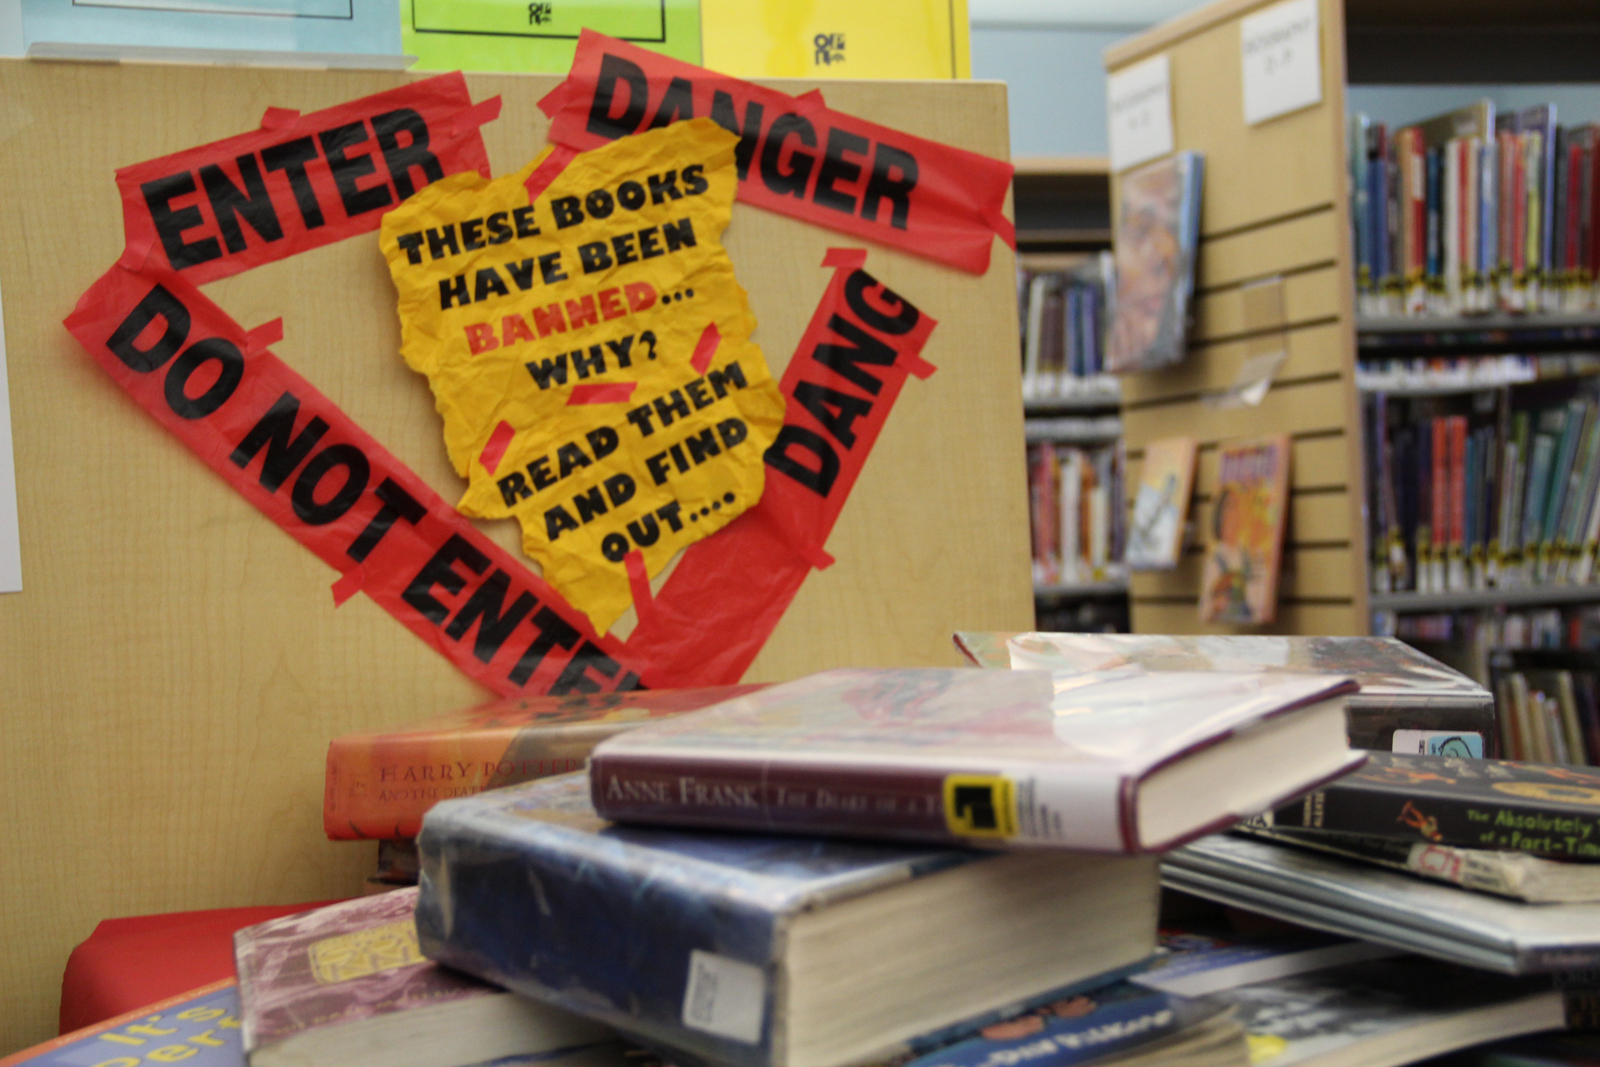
(201, 1028)
(760, 951)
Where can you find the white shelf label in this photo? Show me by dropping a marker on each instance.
(725, 996)
(1139, 112)
(1282, 60)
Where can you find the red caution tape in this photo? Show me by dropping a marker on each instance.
(728, 592)
(299, 181)
(705, 349)
(796, 156)
(307, 466)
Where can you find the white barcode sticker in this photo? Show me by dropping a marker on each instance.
(725, 997)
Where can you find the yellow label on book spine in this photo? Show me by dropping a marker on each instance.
(980, 805)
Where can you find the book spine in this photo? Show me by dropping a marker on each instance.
(380, 786)
(705, 985)
(1464, 822)
(974, 805)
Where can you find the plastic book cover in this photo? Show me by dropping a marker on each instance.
(1161, 504)
(1156, 236)
(200, 1027)
(1393, 908)
(361, 27)
(542, 36)
(673, 937)
(1407, 700)
(1014, 757)
(1546, 809)
(836, 38)
(380, 782)
(1244, 539)
(356, 961)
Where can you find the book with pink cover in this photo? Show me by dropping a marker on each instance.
(1112, 761)
(349, 982)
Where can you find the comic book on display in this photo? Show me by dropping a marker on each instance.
(380, 782)
(760, 951)
(1407, 701)
(1156, 237)
(348, 984)
(1114, 761)
(1393, 908)
(1161, 504)
(1244, 538)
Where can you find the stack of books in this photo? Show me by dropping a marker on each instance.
(922, 868)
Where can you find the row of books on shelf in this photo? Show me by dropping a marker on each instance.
(739, 914)
(1064, 314)
(1472, 212)
(1567, 627)
(1549, 716)
(1440, 374)
(1078, 519)
(1499, 495)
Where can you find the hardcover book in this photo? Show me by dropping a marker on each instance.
(1156, 237)
(1244, 540)
(1405, 698)
(1161, 504)
(1544, 809)
(759, 951)
(1389, 907)
(1116, 761)
(348, 984)
(380, 782)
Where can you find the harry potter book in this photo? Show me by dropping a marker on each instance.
(380, 782)
(1115, 761)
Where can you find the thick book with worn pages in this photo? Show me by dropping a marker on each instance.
(758, 951)
(1547, 810)
(380, 782)
(1357, 900)
(348, 984)
(1404, 695)
(1116, 761)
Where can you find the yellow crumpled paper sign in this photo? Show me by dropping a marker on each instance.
(590, 353)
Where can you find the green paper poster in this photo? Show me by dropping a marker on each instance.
(519, 35)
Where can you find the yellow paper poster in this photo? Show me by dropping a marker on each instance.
(836, 38)
(590, 353)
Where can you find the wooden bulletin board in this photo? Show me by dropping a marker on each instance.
(1273, 275)
(174, 666)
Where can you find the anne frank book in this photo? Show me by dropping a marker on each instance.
(1116, 761)
(1545, 809)
(348, 984)
(757, 951)
(380, 782)
(1407, 701)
